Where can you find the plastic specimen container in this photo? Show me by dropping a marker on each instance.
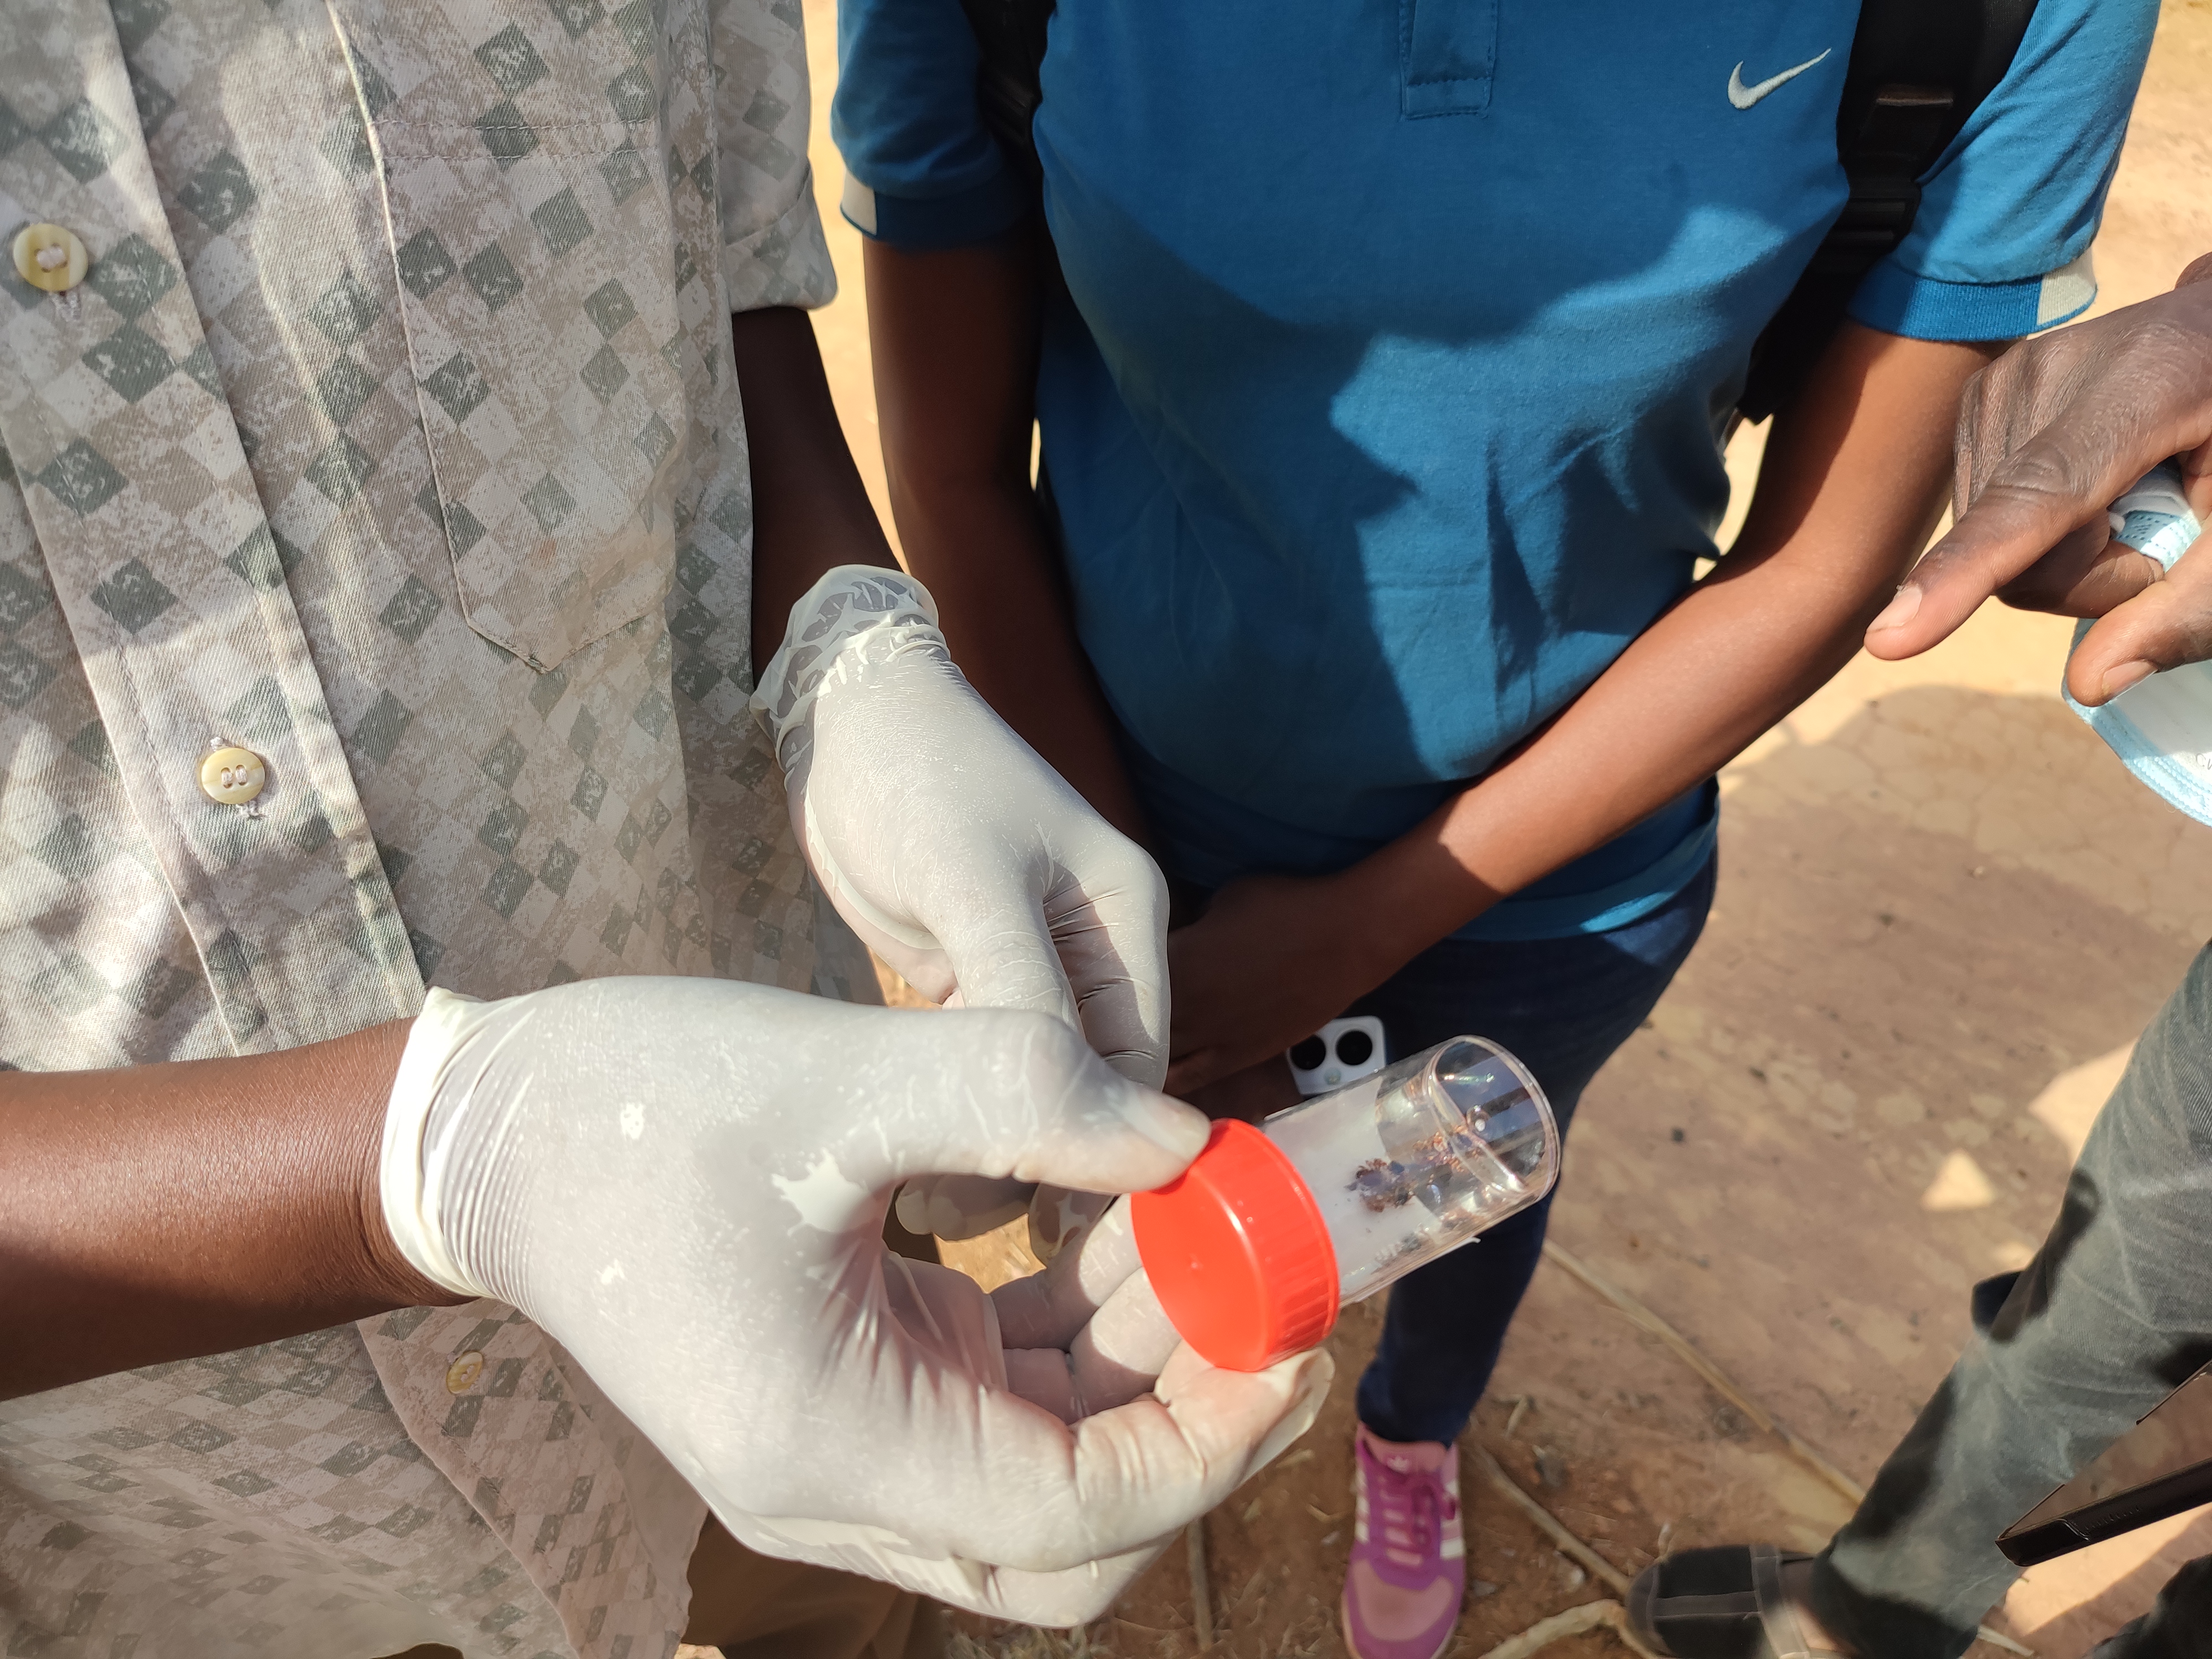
(1254, 1249)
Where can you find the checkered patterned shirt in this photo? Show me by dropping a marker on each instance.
(392, 434)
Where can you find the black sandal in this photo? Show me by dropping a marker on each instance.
(1726, 1603)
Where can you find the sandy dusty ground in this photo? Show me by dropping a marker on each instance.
(1946, 914)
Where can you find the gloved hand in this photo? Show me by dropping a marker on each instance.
(954, 851)
(650, 1168)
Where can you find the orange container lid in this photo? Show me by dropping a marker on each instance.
(1238, 1254)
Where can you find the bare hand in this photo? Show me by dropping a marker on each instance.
(1271, 961)
(2049, 436)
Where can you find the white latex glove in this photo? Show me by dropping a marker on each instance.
(660, 1168)
(960, 858)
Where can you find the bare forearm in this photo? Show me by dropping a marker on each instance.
(1852, 488)
(810, 510)
(954, 337)
(159, 1212)
(1725, 664)
(1849, 491)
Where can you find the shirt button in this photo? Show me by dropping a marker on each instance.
(461, 1375)
(50, 257)
(232, 776)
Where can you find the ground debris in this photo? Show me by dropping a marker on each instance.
(1591, 1615)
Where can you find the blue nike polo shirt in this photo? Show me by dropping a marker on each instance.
(1388, 403)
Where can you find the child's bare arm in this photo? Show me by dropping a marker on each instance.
(1854, 480)
(954, 336)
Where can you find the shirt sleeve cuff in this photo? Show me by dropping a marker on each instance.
(785, 262)
(1897, 301)
(981, 213)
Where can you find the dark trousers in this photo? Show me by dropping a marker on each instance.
(2113, 1312)
(1561, 1006)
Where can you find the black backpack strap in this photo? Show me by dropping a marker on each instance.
(1918, 70)
(1011, 34)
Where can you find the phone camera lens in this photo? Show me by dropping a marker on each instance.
(1354, 1048)
(1309, 1053)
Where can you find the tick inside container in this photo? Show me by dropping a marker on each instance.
(1420, 1157)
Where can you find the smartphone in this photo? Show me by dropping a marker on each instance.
(1343, 1051)
(2158, 1468)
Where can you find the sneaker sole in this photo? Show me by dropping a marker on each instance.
(1343, 1623)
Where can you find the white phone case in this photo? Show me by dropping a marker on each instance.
(1335, 1066)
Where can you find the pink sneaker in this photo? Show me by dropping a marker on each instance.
(1408, 1571)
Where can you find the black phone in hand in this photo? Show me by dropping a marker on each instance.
(2158, 1468)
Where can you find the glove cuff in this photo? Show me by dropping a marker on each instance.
(844, 616)
(412, 1169)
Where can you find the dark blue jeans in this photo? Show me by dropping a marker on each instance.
(1561, 1006)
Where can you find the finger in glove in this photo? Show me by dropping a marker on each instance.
(1058, 1216)
(957, 1206)
(1048, 1310)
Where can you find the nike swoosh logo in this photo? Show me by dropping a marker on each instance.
(1744, 97)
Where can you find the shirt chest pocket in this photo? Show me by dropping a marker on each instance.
(539, 267)
(1448, 50)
